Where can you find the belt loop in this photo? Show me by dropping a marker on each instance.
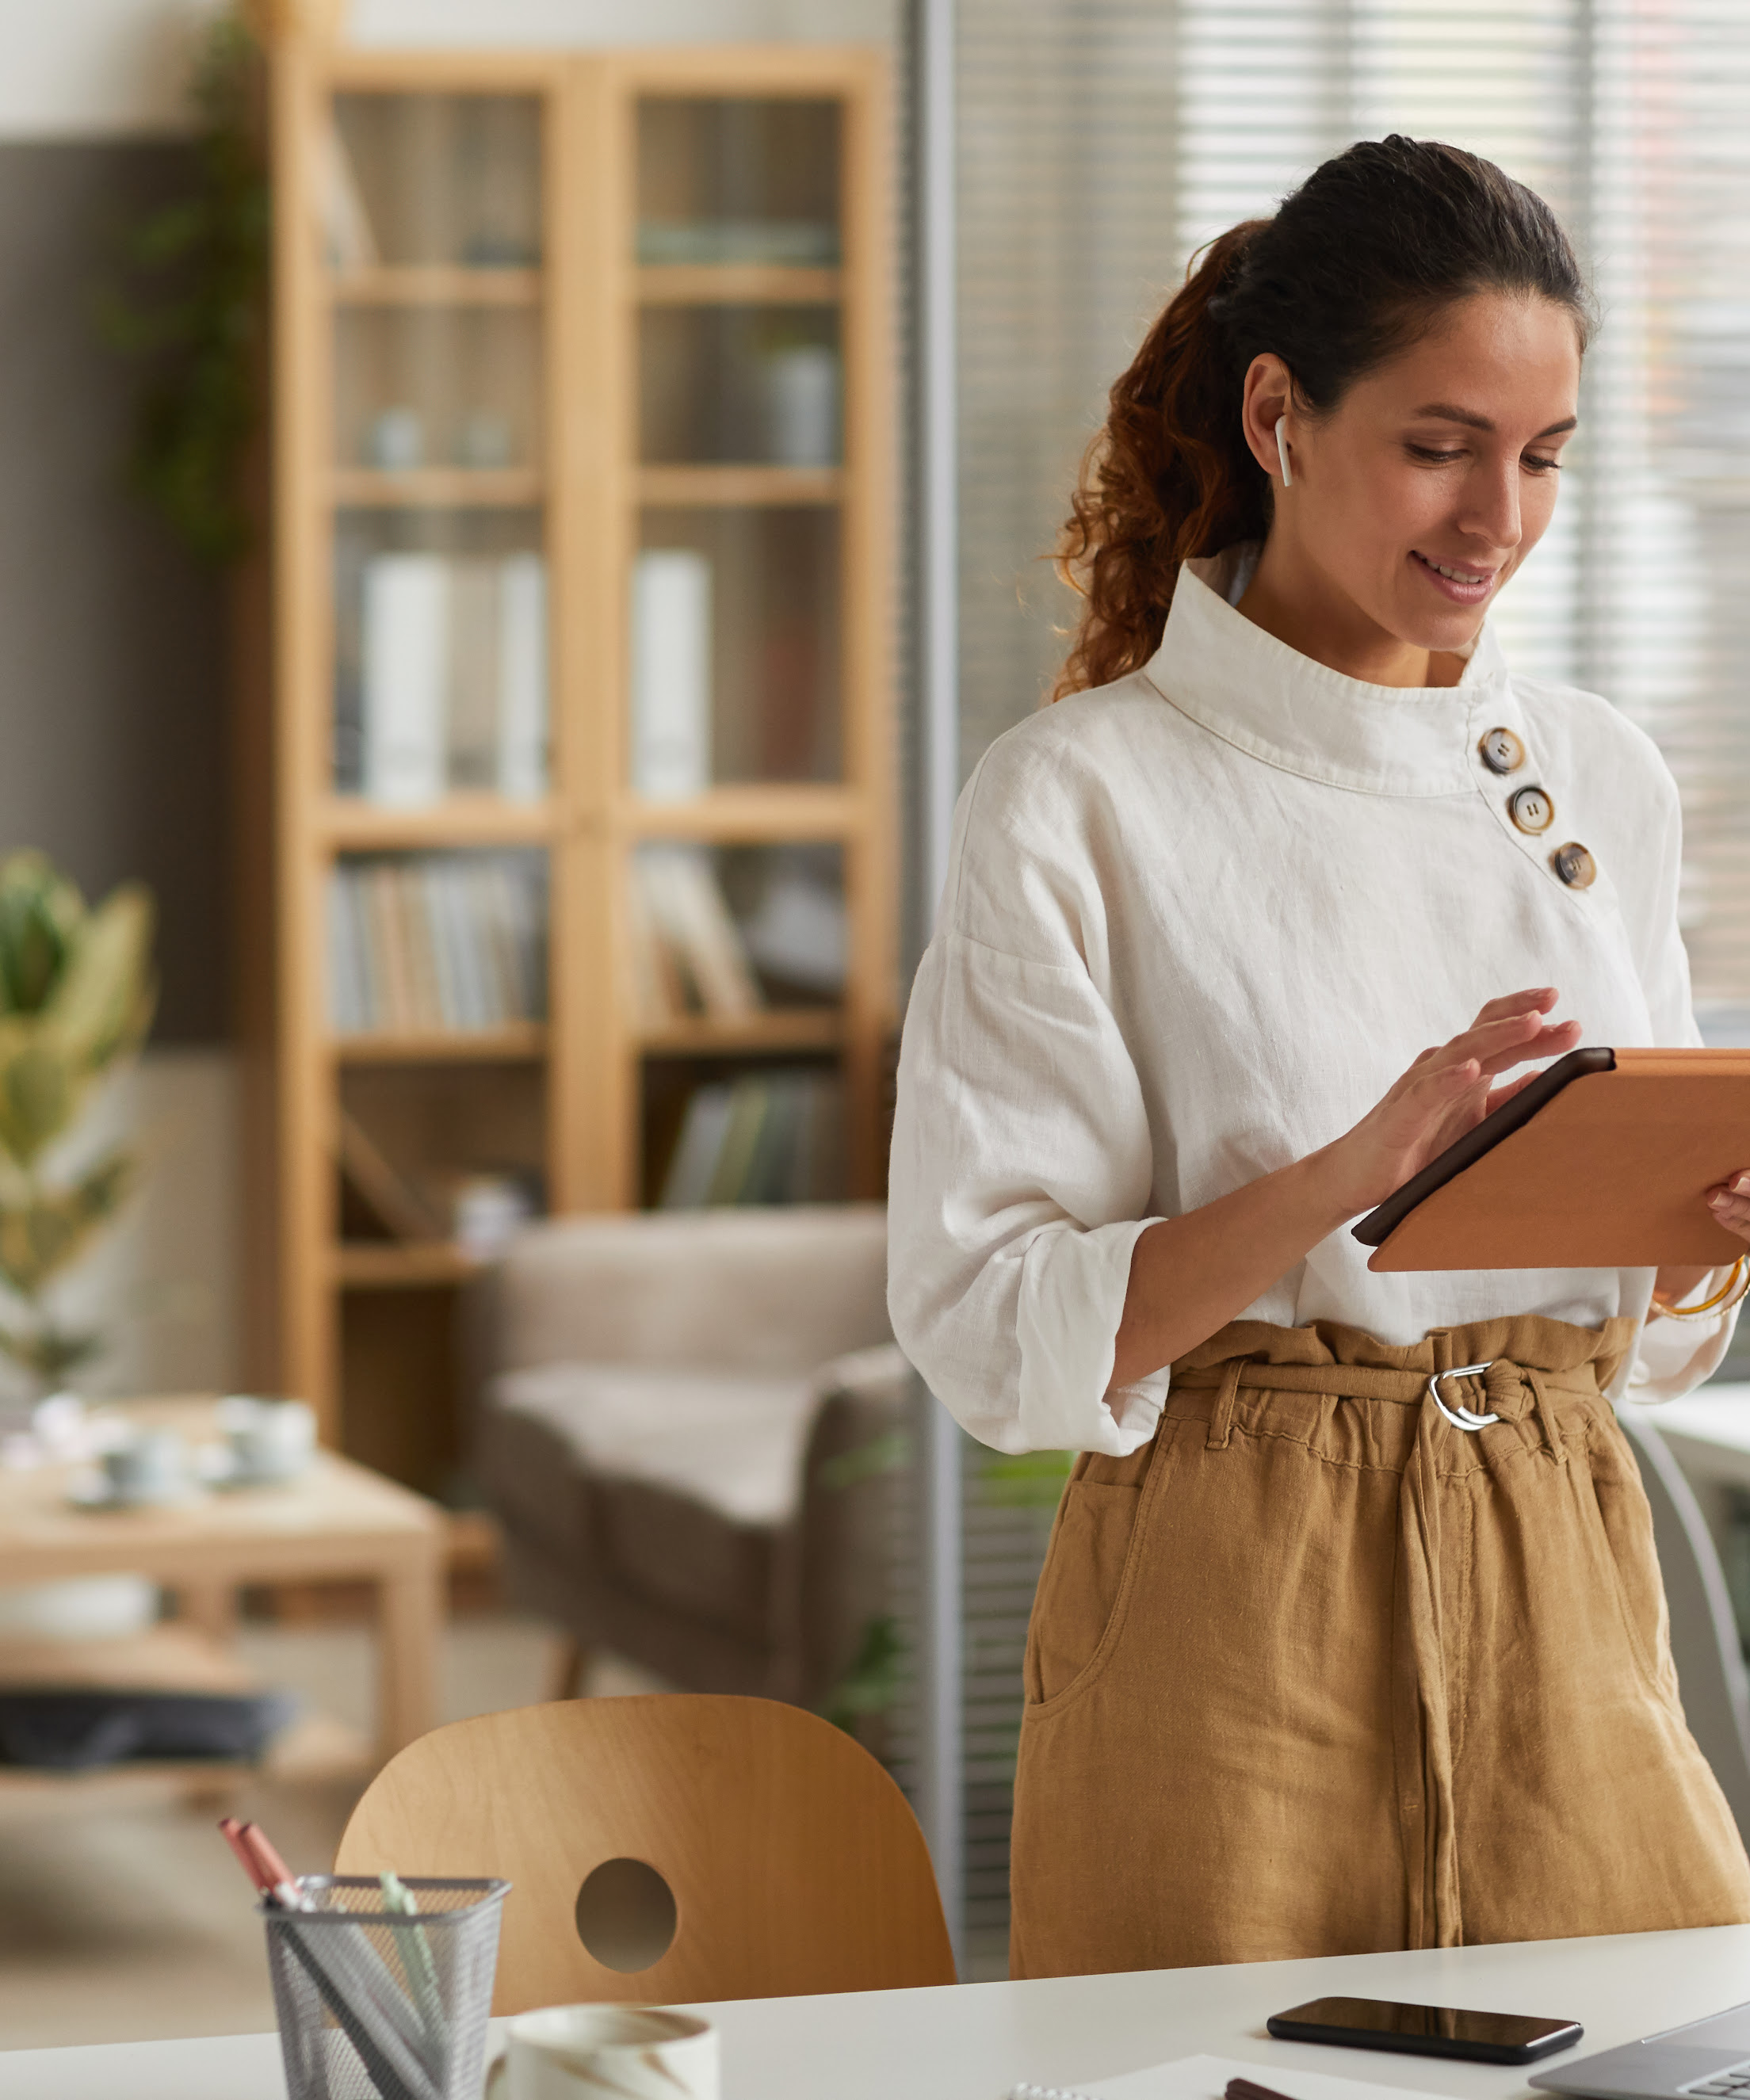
(1545, 1414)
(1221, 1415)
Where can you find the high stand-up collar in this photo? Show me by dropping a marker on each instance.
(1266, 699)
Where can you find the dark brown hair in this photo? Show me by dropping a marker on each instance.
(1356, 265)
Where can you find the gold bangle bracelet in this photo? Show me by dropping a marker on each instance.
(1729, 1294)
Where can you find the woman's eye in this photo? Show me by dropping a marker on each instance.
(1435, 458)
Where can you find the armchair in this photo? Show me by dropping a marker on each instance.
(683, 1427)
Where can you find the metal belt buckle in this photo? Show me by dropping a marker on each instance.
(1461, 1417)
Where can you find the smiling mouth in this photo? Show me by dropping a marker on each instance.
(1471, 579)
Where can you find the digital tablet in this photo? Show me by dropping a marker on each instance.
(1602, 1161)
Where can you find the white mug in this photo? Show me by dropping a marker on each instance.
(151, 1467)
(270, 1440)
(581, 2052)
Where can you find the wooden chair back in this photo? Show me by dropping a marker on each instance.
(794, 1862)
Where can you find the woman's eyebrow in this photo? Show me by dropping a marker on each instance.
(1443, 412)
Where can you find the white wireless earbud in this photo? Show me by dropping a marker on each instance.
(1282, 454)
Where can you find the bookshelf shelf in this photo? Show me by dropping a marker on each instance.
(804, 811)
(735, 284)
(515, 1039)
(436, 488)
(458, 820)
(412, 285)
(547, 327)
(738, 488)
(364, 1266)
(705, 1035)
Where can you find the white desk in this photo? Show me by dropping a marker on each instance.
(972, 2042)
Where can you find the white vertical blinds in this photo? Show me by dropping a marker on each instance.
(1632, 118)
(1102, 142)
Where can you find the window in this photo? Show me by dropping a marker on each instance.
(1100, 142)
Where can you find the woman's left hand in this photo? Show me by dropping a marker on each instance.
(1730, 1202)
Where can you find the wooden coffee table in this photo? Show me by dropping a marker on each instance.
(337, 1522)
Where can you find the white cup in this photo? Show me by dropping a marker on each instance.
(151, 1467)
(584, 2052)
(270, 1440)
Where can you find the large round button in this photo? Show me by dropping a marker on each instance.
(1575, 865)
(1531, 809)
(1502, 751)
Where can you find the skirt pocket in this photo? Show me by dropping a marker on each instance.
(1627, 1521)
(1079, 1584)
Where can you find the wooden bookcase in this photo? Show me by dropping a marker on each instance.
(536, 305)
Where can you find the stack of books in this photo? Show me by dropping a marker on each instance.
(766, 1137)
(453, 677)
(431, 941)
(793, 243)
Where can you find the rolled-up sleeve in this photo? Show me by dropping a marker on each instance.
(1022, 1167)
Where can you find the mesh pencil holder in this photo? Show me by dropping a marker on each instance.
(375, 2005)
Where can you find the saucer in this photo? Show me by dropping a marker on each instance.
(96, 1491)
(218, 1468)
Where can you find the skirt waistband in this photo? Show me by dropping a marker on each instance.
(1330, 1358)
(1502, 1388)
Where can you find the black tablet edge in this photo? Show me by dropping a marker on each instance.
(1378, 1224)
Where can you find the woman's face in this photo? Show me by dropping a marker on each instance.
(1420, 494)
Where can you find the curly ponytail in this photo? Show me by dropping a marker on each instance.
(1355, 266)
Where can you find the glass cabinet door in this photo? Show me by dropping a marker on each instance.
(735, 593)
(429, 219)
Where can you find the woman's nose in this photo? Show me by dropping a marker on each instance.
(1492, 510)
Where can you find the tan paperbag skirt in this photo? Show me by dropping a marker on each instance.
(1316, 1672)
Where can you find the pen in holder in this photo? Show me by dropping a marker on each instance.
(380, 2000)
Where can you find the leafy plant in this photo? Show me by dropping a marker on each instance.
(1026, 1480)
(871, 1684)
(76, 998)
(196, 308)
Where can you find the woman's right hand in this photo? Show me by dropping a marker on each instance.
(1191, 1274)
(1446, 1093)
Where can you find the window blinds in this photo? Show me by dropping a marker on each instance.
(1104, 143)
(1632, 117)
(1100, 142)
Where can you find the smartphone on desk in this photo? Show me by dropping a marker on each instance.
(1424, 2029)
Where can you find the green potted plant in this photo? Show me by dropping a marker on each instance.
(76, 993)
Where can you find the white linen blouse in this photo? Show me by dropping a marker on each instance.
(1196, 922)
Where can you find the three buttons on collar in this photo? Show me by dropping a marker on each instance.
(1531, 809)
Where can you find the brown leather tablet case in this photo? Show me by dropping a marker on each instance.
(1610, 1173)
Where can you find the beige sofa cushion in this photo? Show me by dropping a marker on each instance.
(729, 1440)
(773, 1292)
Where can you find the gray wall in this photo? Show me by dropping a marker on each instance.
(112, 648)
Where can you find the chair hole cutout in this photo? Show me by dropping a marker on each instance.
(626, 1916)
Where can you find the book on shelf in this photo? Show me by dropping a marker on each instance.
(671, 673)
(523, 678)
(347, 238)
(429, 942)
(687, 952)
(765, 1137)
(453, 676)
(397, 1202)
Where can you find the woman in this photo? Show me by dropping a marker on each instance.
(1312, 1668)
